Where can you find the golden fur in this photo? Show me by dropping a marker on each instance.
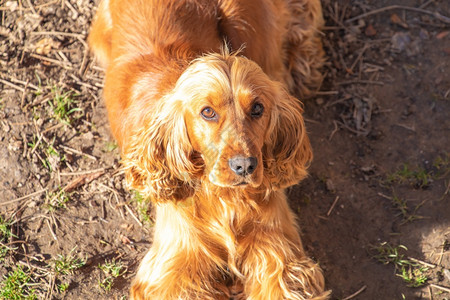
(189, 117)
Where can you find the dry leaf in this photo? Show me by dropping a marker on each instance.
(397, 20)
(82, 180)
(442, 35)
(45, 45)
(126, 240)
(370, 30)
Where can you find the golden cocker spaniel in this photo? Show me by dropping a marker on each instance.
(213, 138)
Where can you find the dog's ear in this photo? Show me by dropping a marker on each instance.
(157, 158)
(287, 150)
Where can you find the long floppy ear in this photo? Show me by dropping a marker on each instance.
(287, 151)
(157, 158)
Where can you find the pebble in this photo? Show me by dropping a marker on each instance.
(330, 185)
(447, 274)
(5, 126)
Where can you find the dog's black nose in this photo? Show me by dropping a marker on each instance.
(243, 166)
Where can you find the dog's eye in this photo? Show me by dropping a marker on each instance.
(208, 113)
(257, 110)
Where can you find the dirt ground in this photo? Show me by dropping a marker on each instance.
(374, 212)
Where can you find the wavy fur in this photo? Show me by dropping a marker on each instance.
(218, 233)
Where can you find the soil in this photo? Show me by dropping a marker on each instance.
(379, 127)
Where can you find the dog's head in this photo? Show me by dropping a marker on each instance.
(224, 122)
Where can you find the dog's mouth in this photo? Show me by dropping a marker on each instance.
(241, 183)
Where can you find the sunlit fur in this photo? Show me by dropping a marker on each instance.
(217, 234)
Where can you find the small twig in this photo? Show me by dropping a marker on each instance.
(24, 197)
(415, 9)
(32, 7)
(422, 262)
(133, 215)
(83, 172)
(24, 94)
(332, 206)
(338, 101)
(78, 81)
(441, 255)
(358, 58)
(443, 288)
(366, 132)
(325, 93)
(52, 128)
(73, 9)
(69, 34)
(82, 180)
(79, 152)
(98, 68)
(12, 85)
(406, 127)
(37, 143)
(51, 230)
(426, 4)
(307, 120)
(61, 54)
(24, 141)
(384, 196)
(65, 65)
(360, 82)
(115, 193)
(356, 293)
(336, 128)
(25, 83)
(27, 8)
(83, 63)
(37, 101)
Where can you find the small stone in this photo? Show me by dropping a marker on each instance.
(423, 34)
(330, 185)
(5, 126)
(400, 41)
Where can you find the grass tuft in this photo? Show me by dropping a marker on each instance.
(5, 229)
(67, 264)
(111, 269)
(402, 206)
(17, 285)
(62, 287)
(143, 206)
(5, 237)
(46, 152)
(57, 200)
(63, 105)
(413, 274)
(419, 177)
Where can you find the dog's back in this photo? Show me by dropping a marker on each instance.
(187, 28)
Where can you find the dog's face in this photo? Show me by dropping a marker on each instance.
(225, 122)
(227, 113)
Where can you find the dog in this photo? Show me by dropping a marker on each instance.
(199, 99)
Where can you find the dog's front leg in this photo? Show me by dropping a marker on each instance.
(273, 261)
(178, 266)
(276, 269)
